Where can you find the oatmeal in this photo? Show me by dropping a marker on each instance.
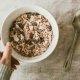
(30, 34)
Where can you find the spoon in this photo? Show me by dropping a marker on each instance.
(76, 25)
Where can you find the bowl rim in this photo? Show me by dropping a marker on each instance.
(57, 33)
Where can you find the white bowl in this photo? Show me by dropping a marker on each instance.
(31, 8)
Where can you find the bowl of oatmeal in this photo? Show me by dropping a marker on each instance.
(32, 31)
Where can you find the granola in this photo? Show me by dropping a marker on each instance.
(30, 34)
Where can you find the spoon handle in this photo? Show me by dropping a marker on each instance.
(68, 61)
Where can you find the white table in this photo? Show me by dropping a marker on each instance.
(63, 11)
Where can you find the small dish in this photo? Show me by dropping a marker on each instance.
(31, 8)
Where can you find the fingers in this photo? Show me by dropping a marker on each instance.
(6, 58)
(14, 62)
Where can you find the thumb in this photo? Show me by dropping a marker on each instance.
(7, 50)
(6, 58)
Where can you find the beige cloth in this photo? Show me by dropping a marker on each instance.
(52, 67)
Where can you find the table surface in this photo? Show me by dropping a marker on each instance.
(63, 11)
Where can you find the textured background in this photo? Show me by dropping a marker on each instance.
(52, 67)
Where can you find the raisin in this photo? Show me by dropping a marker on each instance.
(20, 25)
(28, 15)
(41, 39)
(49, 28)
(28, 42)
(34, 23)
(30, 54)
(31, 35)
(10, 29)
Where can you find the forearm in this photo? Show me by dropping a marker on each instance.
(5, 72)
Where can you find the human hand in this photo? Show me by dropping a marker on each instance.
(6, 57)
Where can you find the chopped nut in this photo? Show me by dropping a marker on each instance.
(15, 38)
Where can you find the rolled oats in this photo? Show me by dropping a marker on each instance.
(30, 34)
